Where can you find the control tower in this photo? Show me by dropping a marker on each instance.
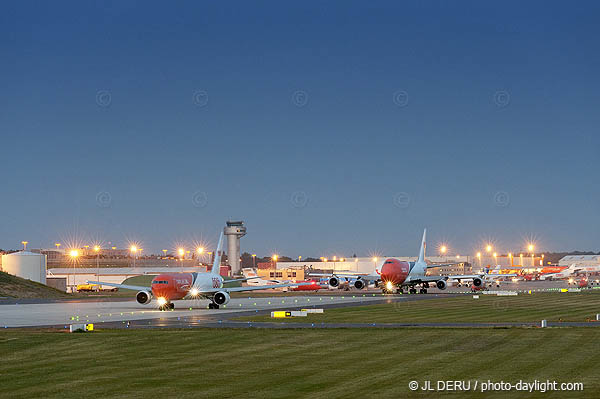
(234, 231)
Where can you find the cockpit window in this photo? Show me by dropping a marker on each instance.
(160, 282)
(389, 261)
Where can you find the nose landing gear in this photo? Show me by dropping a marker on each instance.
(167, 306)
(213, 305)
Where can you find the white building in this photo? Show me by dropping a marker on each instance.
(580, 260)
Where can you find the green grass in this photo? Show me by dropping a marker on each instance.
(288, 363)
(16, 287)
(487, 309)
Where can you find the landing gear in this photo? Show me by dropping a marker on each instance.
(167, 306)
(412, 290)
(423, 291)
(213, 305)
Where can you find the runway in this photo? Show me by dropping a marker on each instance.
(119, 313)
(60, 314)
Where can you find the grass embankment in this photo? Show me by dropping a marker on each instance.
(289, 363)
(16, 287)
(580, 306)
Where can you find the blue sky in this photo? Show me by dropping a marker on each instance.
(329, 127)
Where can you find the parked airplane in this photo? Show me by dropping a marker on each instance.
(168, 287)
(571, 271)
(396, 275)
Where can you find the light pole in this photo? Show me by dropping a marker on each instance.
(254, 261)
(74, 254)
(200, 251)
(24, 245)
(133, 250)
(181, 252)
(479, 258)
(57, 246)
(97, 250)
(164, 251)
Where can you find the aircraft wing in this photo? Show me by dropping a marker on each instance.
(124, 286)
(258, 287)
(240, 279)
(443, 265)
(349, 275)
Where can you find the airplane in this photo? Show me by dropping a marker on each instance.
(168, 287)
(571, 271)
(396, 275)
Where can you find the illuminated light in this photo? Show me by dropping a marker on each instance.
(334, 258)
(96, 248)
(488, 248)
(200, 250)
(133, 249)
(161, 301)
(355, 260)
(254, 255)
(24, 244)
(324, 259)
(74, 253)
(389, 286)
(457, 256)
(443, 249)
(181, 251)
(375, 259)
(479, 254)
(275, 257)
(194, 292)
(530, 247)
(495, 254)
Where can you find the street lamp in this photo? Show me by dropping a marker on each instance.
(165, 252)
(488, 248)
(479, 257)
(57, 246)
(254, 260)
(181, 252)
(24, 245)
(74, 254)
(133, 250)
(97, 250)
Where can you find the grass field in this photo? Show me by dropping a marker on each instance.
(16, 287)
(488, 308)
(288, 363)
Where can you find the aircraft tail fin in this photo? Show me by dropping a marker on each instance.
(216, 267)
(423, 247)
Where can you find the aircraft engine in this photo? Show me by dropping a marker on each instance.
(221, 298)
(143, 297)
(441, 284)
(334, 281)
(477, 282)
(359, 284)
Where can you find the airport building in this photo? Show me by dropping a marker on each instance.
(580, 260)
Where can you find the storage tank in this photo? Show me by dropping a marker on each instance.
(25, 264)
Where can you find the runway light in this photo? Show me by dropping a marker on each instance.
(161, 301)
